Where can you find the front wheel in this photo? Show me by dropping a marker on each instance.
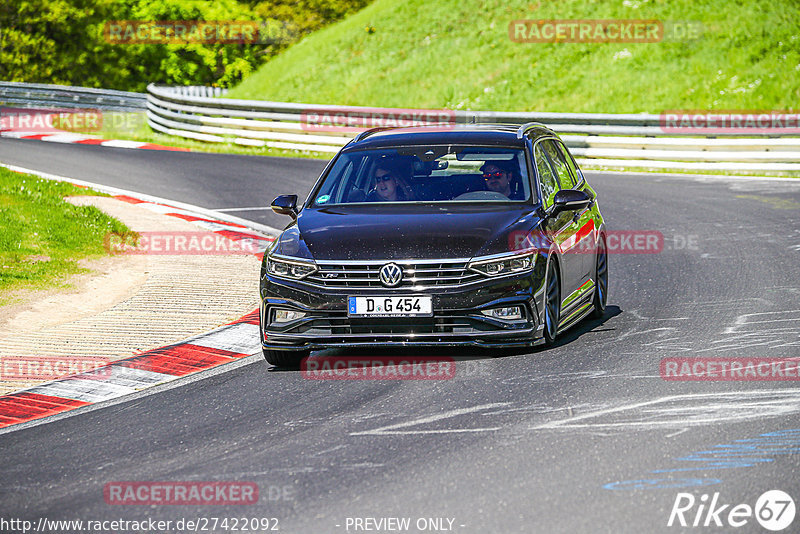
(552, 304)
(601, 284)
(289, 359)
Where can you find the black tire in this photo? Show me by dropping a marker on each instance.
(552, 303)
(289, 359)
(601, 281)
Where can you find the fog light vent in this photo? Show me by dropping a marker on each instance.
(284, 316)
(512, 313)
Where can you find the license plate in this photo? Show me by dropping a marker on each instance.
(401, 306)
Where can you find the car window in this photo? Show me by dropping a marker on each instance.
(546, 176)
(427, 174)
(565, 179)
(576, 172)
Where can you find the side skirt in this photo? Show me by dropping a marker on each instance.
(580, 306)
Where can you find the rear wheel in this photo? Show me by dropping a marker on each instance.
(552, 304)
(285, 358)
(601, 283)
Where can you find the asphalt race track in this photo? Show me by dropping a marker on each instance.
(583, 437)
(238, 181)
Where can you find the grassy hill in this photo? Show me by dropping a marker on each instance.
(457, 54)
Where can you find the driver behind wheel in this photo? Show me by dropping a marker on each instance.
(499, 177)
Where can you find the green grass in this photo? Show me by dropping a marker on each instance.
(457, 54)
(42, 237)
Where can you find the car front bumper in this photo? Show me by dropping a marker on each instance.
(457, 319)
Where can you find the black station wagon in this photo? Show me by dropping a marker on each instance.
(483, 235)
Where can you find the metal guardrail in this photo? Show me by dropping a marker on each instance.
(199, 90)
(33, 95)
(611, 140)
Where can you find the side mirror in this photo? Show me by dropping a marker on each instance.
(570, 200)
(285, 205)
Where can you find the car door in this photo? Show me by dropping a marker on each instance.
(586, 233)
(563, 227)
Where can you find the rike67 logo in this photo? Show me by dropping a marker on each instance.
(774, 510)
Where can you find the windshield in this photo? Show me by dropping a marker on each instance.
(427, 174)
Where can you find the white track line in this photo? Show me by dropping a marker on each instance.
(391, 430)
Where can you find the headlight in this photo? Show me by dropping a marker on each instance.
(289, 268)
(511, 264)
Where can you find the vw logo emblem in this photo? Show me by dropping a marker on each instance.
(391, 275)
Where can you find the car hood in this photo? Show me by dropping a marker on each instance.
(406, 232)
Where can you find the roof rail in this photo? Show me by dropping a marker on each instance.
(527, 126)
(367, 133)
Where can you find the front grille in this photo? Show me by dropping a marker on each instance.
(340, 324)
(416, 274)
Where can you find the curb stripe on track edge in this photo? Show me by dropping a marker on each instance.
(225, 344)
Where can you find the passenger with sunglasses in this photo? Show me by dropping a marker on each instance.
(389, 185)
(500, 179)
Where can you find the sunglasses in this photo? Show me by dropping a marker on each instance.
(490, 175)
(384, 178)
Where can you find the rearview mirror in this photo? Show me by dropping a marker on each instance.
(570, 200)
(285, 205)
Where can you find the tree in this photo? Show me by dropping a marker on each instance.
(66, 41)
